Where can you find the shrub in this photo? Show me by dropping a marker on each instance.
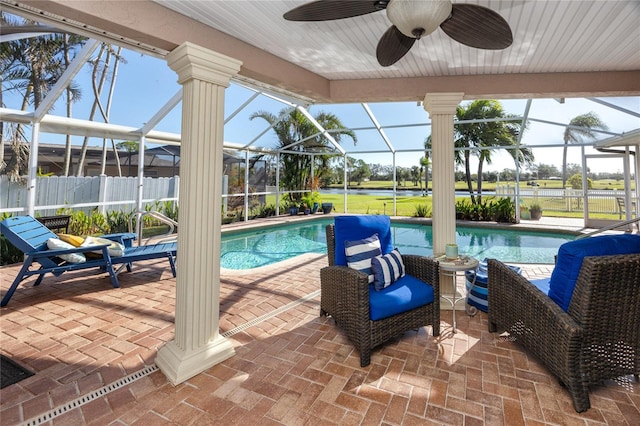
(500, 210)
(422, 210)
(83, 224)
(118, 221)
(266, 210)
(9, 254)
(504, 210)
(170, 210)
(575, 182)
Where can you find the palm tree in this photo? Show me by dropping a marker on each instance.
(101, 68)
(297, 135)
(478, 137)
(30, 67)
(579, 127)
(73, 92)
(425, 162)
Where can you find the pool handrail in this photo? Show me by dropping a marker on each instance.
(616, 225)
(139, 216)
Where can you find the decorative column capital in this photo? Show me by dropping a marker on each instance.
(442, 103)
(191, 61)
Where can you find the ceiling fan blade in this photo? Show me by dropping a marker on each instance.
(327, 10)
(478, 26)
(392, 46)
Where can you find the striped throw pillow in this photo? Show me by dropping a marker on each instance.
(387, 269)
(360, 252)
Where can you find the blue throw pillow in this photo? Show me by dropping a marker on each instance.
(477, 285)
(570, 256)
(357, 227)
(359, 254)
(387, 269)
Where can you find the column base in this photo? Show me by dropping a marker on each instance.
(179, 365)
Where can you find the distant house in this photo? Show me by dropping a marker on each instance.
(161, 161)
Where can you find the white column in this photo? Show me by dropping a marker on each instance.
(140, 188)
(636, 174)
(33, 169)
(442, 108)
(198, 345)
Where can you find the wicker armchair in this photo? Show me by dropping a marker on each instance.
(345, 296)
(597, 338)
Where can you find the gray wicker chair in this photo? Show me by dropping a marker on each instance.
(598, 338)
(345, 296)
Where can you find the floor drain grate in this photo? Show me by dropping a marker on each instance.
(272, 314)
(79, 402)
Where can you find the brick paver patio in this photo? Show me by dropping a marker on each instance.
(79, 335)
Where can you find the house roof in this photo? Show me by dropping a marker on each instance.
(160, 156)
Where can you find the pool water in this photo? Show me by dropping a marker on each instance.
(255, 248)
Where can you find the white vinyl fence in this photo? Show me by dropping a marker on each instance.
(106, 193)
(567, 200)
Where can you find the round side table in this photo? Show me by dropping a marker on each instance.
(451, 268)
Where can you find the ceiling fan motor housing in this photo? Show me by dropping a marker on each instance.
(412, 16)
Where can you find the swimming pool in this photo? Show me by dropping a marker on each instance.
(261, 247)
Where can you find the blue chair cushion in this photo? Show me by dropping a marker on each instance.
(569, 261)
(405, 294)
(352, 228)
(542, 285)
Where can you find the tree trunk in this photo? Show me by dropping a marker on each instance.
(480, 167)
(108, 112)
(97, 91)
(467, 169)
(564, 165)
(426, 181)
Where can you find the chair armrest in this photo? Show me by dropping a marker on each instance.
(124, 238)
(345, 294)
(425, 269)
(531, 317)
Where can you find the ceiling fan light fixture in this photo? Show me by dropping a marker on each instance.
(420, 16)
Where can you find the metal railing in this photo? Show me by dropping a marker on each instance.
(139, 216)
(612, 227)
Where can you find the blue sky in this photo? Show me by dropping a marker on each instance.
(145, 84)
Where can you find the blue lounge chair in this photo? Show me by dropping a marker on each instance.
(31, 236)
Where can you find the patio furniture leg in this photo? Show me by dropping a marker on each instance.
(17, 281)
(109, 266)
(172, 263)
(580, 397)
(114, 278)
(39, 280)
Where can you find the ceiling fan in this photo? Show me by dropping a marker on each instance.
(470, 24)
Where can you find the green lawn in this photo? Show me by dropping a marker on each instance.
(486, 186)
(407, 205)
